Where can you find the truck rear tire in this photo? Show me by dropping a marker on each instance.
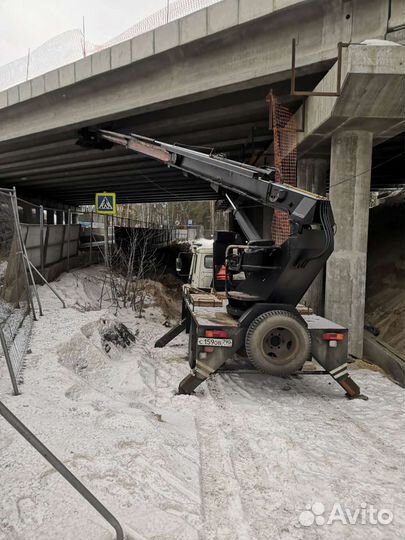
(278, 343)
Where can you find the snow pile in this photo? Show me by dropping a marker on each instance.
(239, 460)
(98, 342)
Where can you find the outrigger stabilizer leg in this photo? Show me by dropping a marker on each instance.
(351, 388)
(203, 369)
(171, 334)
(338, 371)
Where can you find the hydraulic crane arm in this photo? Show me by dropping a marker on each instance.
(274, 274)
(227, 175)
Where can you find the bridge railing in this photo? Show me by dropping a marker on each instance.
(72, 45)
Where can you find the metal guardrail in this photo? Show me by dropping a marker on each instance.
(62, 470)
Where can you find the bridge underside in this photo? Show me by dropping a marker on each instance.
(52, 167)
(206, 88)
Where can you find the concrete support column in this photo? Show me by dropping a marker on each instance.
(311, 175)
(350, 178)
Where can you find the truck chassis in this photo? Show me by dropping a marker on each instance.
(215, 338)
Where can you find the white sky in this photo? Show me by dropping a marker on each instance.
(29, 23)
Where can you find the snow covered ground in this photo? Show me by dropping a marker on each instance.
(240, 460)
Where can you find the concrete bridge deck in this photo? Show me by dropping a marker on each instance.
(201, 80)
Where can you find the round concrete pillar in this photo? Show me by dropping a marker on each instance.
(350, 177)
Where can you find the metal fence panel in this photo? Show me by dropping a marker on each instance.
(15, 296)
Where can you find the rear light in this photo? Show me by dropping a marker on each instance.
(333, 337)
(216, 333)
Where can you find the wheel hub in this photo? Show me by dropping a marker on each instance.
(279, 345)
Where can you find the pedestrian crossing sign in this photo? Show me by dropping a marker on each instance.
(106, 204)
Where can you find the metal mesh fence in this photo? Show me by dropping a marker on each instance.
(70, 46)
(15, 307)
(285, 160)
(36, 240)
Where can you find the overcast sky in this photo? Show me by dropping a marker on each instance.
(29, 23)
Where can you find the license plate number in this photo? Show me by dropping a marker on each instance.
(214, 342)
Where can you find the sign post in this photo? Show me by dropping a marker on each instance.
(106, 247)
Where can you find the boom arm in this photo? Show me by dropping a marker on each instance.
(274, 274)
(259, 184)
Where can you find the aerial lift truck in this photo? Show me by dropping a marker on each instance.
(257, 315)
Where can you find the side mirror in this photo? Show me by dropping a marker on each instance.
(183, 263)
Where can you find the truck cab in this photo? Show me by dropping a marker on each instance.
(197, 267)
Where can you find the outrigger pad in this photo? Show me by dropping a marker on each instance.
(352, 390)
(189, 384)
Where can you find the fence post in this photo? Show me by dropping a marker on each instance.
(68, 240)
(91, 237)
(14, 206)
(46, 243)
(9, 363)
(62, 242)
(41, 238)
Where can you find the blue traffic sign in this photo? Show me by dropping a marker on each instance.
(106, 204)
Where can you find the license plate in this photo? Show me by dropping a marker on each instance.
(214, 342)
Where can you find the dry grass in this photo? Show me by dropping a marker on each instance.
(364, 364)
(166, 294)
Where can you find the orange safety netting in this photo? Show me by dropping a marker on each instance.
(285, 160)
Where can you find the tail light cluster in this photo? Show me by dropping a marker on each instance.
(214, 334)
(333, 338)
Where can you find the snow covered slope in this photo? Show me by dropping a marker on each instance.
(240, 460)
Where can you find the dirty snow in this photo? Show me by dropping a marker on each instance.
(240, 460)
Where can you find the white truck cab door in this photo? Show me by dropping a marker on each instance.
(201, 271)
